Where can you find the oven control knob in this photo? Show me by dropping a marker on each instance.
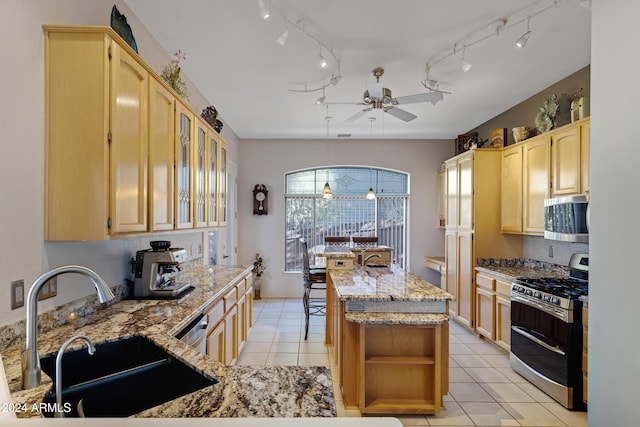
(555, 300)
(529, 292)
(537, 294)
(547, 298)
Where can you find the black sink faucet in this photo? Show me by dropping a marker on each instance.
(30, 359)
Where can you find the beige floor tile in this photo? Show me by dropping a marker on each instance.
(264, 329)
(413, 420)
(256, 347)
(469, 392)
(486, 375)
(286, 337)
(313, 359)
(532, 414)
(285, 347)
(460, 348)
(507, 392)
(488, 414)
(271, 321)
(257, 336)
(313, 347)
(537, 394)
(486, 348)
(451, 415)
(570, 418)
(469, 339)
(290, 321)
(274, 314)
(282, 359)
(252, 359)
(313, 337)
(470, 361)
(513, 376)
(459, 375)
(497, 360)
(289, 329)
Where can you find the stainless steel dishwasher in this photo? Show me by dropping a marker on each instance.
(195, 333)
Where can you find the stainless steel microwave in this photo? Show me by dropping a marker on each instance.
(567, 219)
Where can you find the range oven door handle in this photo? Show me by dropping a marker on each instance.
(526, 334)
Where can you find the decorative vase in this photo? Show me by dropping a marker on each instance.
(257, 284)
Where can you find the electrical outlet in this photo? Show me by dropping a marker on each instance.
(49, 289)
(550, 251)
(17, 294)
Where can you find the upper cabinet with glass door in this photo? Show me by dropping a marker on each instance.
(184, 166)
(223, 184)
(200, 171)
(212, 178)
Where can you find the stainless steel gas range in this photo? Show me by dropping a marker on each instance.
(546, 332)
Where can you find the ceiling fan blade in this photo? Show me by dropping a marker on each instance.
(375, 90)
(357, 115)
(432, 97)
(400, 113)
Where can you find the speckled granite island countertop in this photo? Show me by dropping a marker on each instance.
(241, 391)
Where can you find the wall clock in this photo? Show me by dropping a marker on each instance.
(260, 200)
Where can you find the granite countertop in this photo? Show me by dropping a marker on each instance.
(241, 391)
(384, 284)
(333, 251)
(511, 269)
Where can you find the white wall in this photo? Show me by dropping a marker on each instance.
(266, 162)
(614, 345)
(23, 253)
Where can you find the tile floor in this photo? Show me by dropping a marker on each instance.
(483, 390)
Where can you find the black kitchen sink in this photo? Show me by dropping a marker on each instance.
(120, 379)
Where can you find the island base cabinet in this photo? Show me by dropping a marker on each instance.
(394, 369)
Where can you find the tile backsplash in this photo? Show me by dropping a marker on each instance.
(538, 248)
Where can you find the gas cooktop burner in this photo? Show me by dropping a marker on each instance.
(566, 287)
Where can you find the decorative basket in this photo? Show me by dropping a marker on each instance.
(520, 133)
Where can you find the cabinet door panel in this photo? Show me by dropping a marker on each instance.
(465, 188)
(465, 278)
(215, 343)
(161, 152)
(565, 155)
(451, 268)
(452, 194)
(199, 175)
(212, 180)
(184, 164)
(585, 134)
(231, 336)
(485, 314)
(503, 322)
(536, 183)
(222, 189)
(129, 144)
(511, 197)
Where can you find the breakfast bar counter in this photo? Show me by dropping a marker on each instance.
(390, 335)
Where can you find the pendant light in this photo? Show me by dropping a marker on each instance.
(522, 41)
(326, 191)
(371, 195)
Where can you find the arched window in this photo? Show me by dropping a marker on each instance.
(349, 213)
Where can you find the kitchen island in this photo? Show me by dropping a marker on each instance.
(390, 335)
(241, 391)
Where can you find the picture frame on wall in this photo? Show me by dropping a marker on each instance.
(497, 137)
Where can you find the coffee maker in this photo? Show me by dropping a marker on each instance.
(155, 272)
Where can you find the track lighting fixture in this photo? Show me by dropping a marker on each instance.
(585, 3)
(466, 66)
(282, 40)
(321, 99)
(326, 191)
(322, 62)
(264, 12)
(522, 41)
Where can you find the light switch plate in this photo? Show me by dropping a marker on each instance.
(17, 294)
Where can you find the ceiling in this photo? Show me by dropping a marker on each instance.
(234, 60)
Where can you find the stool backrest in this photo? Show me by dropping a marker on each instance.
(336, 240)
(305, 260)
(365, 242)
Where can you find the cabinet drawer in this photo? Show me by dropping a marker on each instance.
(215, 314)
(485, 282)
(230, 299)
(242, 287)
(503, 288)
(340, 264)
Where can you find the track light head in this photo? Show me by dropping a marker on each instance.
(321, 100)
(282, 40)
(466, 65)
(323, 62)
(522, 41)
(264, 12)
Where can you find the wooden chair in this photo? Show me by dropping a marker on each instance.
(314, 279)
(364, 242)
(336, 240)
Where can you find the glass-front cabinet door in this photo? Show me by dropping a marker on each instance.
(212, 184)
(223, 184)
(199, 175)
(184, 159)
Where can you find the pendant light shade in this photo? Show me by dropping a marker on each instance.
(371, 195)
(326, 192)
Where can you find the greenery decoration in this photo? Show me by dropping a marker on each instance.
(171, 74)
(546, 118)
(258, 267)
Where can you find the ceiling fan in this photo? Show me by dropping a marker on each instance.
(378, 97)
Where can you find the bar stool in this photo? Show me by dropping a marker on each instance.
(336, 240)
(314, 279)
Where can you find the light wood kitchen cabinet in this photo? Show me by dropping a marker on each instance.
(493, 308)
(212, 179)
(161, 154)
(222, 183)
(536, 183)
(231, 336)
(96, 143)
(511, 198)
(184, 128)
(215, 343)
(200, 165)
(473, 226)
(570, 159)
(442, 198)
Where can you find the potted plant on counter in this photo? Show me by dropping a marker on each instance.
(258, 269)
